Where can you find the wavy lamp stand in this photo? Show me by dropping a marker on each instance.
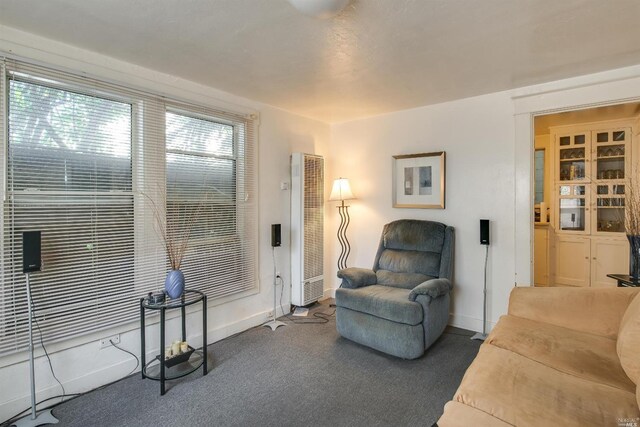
(341, 191)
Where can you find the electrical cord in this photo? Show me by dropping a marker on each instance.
(76, 395)
(64, 394)
(35, 318)
(127, 351)
(319, 317)
(10, 421)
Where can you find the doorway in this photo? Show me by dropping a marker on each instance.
(580, 162)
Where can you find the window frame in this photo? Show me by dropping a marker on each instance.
(81, 83)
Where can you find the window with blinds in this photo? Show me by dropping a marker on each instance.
(80, 158)
(202, 165)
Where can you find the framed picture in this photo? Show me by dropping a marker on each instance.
(419, 180)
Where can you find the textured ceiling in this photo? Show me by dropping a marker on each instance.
(375, 57)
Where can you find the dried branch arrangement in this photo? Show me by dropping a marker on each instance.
(632, 208)
(175, 234)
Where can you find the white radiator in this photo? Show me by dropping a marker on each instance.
(307, 228)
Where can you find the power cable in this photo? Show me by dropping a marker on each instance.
(127, 351)
(64, 394)
(10, 421)
(35, 318)
(319, 317)
(75, 395)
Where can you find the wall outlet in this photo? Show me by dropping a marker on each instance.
(105, 342)
(270, 314)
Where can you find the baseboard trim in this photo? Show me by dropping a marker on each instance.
(329, 293)
(468, 322)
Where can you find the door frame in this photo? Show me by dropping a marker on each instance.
(613, 87)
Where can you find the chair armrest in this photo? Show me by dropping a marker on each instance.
(354, 277)
(432, 288)
(596, 311)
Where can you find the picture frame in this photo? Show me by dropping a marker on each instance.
(419, 180)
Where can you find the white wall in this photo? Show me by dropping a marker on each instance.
(489, 144)
(85, 366)
(477, 135)
(488, 140)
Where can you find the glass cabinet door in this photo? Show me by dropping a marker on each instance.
(573, 207)
(611, 159)
(573, 156)
(610, 154)
(610, 204)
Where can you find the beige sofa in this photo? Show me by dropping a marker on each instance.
(560, 357)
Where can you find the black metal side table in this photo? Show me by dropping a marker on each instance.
(624, 280)
(160, 372)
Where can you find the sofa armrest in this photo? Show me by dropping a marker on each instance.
(594, 310)
(432, 288)
(354, 277)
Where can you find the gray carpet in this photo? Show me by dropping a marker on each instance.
(302, 374)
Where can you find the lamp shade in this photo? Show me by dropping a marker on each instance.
(341, 190)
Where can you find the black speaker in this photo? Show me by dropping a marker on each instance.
(31, 257)
(484, 231)
(276, 239)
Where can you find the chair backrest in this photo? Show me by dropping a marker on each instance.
(412, 251)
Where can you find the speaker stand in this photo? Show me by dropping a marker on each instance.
(483, 336)
(45, 417)
(273, 324)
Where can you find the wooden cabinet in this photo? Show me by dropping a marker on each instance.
(541, 255)
(590, 166)
(572, 261)
(586, 261)
(608, 256)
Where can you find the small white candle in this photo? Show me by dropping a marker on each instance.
(175, 348)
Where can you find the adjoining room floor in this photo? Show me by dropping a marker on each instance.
(301, 374)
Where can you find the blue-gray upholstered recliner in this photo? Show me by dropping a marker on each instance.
(401, 306)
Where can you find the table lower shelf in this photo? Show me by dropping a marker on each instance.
(152, 369)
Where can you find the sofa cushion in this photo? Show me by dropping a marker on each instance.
(628, 346)
(587, 356)
(381, 301)
(457, 414)
(523, 392)
(398, 261)
(401, 280)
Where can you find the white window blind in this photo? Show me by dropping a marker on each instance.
(82, 158)
(203, 158)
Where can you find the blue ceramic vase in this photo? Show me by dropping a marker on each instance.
(174, 284)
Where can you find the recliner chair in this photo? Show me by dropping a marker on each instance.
(401, 306)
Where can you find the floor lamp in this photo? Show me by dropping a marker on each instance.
(341, 191)
(31, 262)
